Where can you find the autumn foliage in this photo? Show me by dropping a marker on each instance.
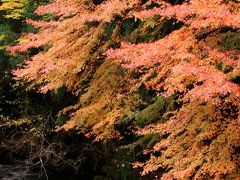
(87, 48)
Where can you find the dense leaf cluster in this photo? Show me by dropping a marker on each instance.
(118, 57)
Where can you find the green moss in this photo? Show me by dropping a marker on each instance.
(151, 139)
(218, 65)
(154, 74)
(128, 26)
(91, 23)
(49, 17)
(146, 141)
(149, 109)
(151, 30)
(152, 5)
(46, 47)
(147, 95)
(61, 120)
(150, 114)
(227, 69)
(223, 67)
(235, 79)
(231, 40)
(109, 30)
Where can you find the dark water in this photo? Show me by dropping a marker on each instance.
(18, 172)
